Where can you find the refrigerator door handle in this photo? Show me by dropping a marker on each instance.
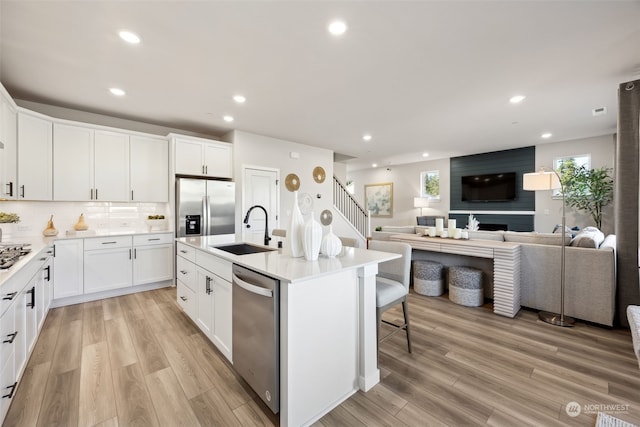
(205, 216)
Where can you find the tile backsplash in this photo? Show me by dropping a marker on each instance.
(100, 216)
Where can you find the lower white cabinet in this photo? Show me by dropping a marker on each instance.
(107, 263)
(68, 268)
(8, 344)
(152, 258)
(208, 283)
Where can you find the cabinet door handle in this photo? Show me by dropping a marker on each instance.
(92, 194)
(206, 169)
(10, 296)
(183, 271)
(22, 191)
(10, 192)
(208, 286)
(48, 270)
(54, 251)
(151, 240)
(108, 243)
(131, 195)
(13, 388)
(183, 298)
(203, 169)
(182, 251)
(135, 253)
(32, 304)
(10, 340)
(96, 194)
(129, 253)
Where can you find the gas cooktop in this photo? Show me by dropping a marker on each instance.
(10, 253)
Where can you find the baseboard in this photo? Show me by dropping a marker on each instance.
(77, 299)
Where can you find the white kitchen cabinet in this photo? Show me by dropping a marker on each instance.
(72, 163)
(8, 343)
(213, 293)
(152, 258)
(107, 263)
(28, 300)
(90, 164)
(68, 268)
(149, 169)
(204, 301)
(9, 138)
(35, 155)
(222, 316)
(111, 166)
(202, 157)
(187, 299)
(47, 278)
(186, 280)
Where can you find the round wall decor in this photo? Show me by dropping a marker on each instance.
(319, 174)
(292, 182)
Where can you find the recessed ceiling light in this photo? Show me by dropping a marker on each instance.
(546, 135)
(227, 118)
(517, 99)
(366, 137)
(374, 165)
(337, 28)
(425, 154)
(117, 92)
(240, 99)
(129, 37)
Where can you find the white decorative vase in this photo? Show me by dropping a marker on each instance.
(8, 229)
(296, 228)
(312, 239)
(331, 244)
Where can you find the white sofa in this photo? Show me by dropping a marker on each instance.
(590, 280)
(633, 314)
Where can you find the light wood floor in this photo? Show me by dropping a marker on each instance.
(137, 360)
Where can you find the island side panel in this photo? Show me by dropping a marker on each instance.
(369, 374)
(318, 345)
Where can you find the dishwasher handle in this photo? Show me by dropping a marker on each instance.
(252, 288)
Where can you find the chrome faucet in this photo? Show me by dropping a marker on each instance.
(266, 222)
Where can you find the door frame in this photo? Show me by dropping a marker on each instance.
(243, 202)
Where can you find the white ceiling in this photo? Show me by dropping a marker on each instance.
(419, 76)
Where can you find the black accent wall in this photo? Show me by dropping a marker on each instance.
(519, 160)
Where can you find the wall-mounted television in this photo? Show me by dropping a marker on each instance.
(496, 187)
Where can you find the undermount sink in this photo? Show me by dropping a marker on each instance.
(243, 249)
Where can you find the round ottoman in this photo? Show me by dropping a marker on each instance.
(427, 278)
(465, 286)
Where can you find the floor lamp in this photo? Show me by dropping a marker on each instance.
(540, 181)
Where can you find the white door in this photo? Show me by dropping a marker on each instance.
(260, 187)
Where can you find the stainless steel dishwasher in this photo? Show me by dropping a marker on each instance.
(256, 333)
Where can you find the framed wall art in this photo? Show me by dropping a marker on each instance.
(379, 199)
(430, 185)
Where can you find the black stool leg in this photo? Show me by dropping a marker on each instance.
(405, 310)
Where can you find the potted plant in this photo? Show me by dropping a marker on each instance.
(588, 190)
(6, 223)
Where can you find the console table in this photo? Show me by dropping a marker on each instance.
(506, 264)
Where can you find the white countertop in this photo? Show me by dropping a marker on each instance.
(280, 265)
(38, 243)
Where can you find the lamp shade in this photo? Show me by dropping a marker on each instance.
(420, 202)
(543, 180)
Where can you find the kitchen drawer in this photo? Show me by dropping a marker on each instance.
(152, 239)
(9, 294)
(186, 272)
(112, 242)
(218, 266)
(187, 299)
(7, 381)
(186, 251)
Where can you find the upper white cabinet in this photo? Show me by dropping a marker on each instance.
(35, 166)
(111, 163)
(97, 164)
(149, 169)
(9, 138)
(72, 163)
(202, 157)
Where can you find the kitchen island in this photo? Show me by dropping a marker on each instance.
(328, 347)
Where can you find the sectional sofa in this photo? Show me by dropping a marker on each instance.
(590, 281)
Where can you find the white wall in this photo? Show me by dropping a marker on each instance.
(549, 211)
(258, 150)
(406, 186)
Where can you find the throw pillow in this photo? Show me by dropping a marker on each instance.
(588, 237)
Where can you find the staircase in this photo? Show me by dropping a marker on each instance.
(355, 214)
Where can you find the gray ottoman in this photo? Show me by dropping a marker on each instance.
(465, 286)
(427, 278)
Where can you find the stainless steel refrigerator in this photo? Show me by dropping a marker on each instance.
(205, 207)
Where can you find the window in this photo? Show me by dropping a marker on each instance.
(582, 160)
(430, 185)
